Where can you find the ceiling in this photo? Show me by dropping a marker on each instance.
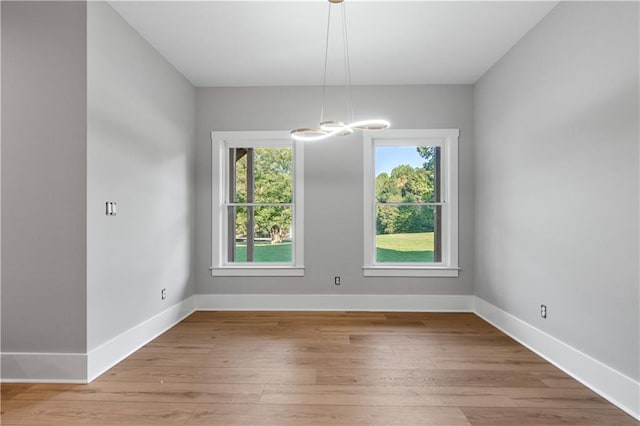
(278, 43)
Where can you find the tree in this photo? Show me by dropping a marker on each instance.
(429, 154)
(273, 183)
(407, 184)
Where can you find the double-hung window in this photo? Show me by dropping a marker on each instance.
(411, 203)
(257, 204)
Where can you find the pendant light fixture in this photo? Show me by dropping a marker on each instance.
(328, 128)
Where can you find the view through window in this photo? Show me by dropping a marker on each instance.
(411, 203)
(408, 205)
(260, 204)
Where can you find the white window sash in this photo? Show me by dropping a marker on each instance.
(447, 140)
(221, 142)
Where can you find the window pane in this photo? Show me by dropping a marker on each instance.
(406, 234)
(261, 175)
(407, 174)
(271, 237)
(239, 177)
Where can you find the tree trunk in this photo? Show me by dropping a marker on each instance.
(276, 235)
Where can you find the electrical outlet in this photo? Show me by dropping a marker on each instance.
(336, 280)
(543, 311)
(163, 293)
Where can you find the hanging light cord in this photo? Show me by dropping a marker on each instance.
(347, 64)
(326, 60)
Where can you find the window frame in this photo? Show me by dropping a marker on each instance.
(447, 139)
(220, 144)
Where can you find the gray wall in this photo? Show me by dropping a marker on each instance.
(333, 182)
(141, 124)
(43, 177)
(556, 189)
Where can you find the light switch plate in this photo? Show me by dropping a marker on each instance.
(111, 208)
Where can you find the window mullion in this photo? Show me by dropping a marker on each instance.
(250, 209)
(378, 203)
(258, 204)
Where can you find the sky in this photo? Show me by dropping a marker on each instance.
(388, 157)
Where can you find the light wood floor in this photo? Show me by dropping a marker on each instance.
(295, 368)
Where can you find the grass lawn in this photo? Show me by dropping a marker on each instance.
(266, 252)
(395, 248)
(399, 248)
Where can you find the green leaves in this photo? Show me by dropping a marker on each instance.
(407, 184)
(272, 183)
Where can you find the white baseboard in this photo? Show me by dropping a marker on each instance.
(612, 385)
(115, 350)
(334, 302)
(44, 367)
(619, 389)
(83, 368)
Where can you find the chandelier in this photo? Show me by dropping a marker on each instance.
(328, 128)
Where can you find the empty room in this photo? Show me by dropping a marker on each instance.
(320, 212)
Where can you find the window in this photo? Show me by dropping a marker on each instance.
(257, 204)
(411, 203)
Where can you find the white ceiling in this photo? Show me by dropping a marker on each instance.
(274, 43)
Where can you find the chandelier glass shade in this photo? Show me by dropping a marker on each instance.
(328, 128)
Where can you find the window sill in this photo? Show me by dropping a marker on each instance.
(404, 271)
(261, 271)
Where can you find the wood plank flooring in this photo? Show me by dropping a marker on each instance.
(320, 368)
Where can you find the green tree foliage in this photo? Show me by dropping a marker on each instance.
(429, 155)
(407, 184)
(273, 183)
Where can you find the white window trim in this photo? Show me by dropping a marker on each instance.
(448, 140)
(220, 141)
